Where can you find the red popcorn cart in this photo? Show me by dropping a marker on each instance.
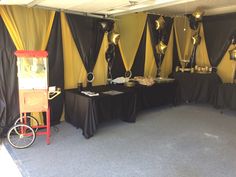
(33, 97)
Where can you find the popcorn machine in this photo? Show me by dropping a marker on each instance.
(33, 91)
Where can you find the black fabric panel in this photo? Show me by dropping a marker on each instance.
(56, 68)
(218, 30)
(139, 61)
(9, 100)
(197, 88)
(175, 61)
(88, 35)
(159, 35)
(226, 97)
(118, 67)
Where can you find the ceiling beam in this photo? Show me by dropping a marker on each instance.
(34, 3)
(152, 7)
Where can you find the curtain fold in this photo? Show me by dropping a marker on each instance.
(183, 34)
(222, 26)
(88, 35)
(202, 58)
(131, 28)
(159, 35)
(118, 67)
(137, 68)
(56, 68)
(166, 66)
(101, 66)
(74, 70)
(9, 100)
(29, 27)
(150, 67)
(176, 60)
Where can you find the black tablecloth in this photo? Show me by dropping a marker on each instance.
(157, 95)
(194, 87)
(86, 112)
(226, 96)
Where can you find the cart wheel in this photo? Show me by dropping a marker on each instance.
(21, 136)
(30, 121)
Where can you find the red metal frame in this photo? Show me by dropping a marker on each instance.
(25, 53)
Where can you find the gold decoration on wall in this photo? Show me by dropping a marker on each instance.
(196, 39)
(160, 23)
(114, 38)
(198, 13)
(161, 48)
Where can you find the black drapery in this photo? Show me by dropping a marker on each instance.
(175, 57)
(88, 35)
(139, 61)
(118, 67)
(159, 35)
(218, 30)
(9, 100)
(56, 68)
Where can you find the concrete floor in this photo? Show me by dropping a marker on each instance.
(182, 141)
(7, 165)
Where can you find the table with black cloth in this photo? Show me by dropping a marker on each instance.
(156, 95)
(226, 96)
(196, 87)
(87, 112)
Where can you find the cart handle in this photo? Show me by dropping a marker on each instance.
(53, 94)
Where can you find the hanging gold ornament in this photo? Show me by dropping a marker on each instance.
(114, 38)
(232, 54)
(103, 25)
(198, 14)
(196, 39)
(160, 23)
(161, 48)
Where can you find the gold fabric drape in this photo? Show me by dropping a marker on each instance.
(100, 69)
(183, 34)
(29, 27)
(150, 67)
(74, 71)
(226, 67)
(166, 66)
(131, 29)
(202, 58)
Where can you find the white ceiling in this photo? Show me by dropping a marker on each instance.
(119, 7)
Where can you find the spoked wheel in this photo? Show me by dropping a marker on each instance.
(21, 136)
(31, 121)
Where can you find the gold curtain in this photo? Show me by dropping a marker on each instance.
(29, 29)
(226, 68)
(202, 58)
(183, 34)
(131, 29)
(74, 71)
(100, 69)
(166, 66)
(150, 67)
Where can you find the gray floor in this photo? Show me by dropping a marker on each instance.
(183, 141)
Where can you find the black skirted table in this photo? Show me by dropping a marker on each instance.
(123, 102)
(86, 112)
(195, 87)
(226, 96)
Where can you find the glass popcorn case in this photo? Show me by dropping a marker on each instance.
(32, 80)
